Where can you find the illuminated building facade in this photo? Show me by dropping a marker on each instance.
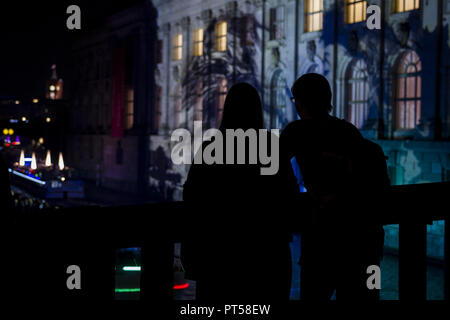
(393, 83)
(163, 64)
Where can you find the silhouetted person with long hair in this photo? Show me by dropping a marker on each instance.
(344, 237)
(238, 255)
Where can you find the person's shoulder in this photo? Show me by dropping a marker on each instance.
(292, 127)
(347, 127)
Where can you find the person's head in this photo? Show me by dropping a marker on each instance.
(242, 108)
(312, 96)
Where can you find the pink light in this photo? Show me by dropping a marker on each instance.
(181, 286)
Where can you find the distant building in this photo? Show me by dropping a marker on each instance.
(54, 88)
(32, 120)
(112, 100)
(163, 64)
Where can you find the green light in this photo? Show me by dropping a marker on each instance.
(131, 268)
(124, 290)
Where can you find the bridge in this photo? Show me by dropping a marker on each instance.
(41, 245)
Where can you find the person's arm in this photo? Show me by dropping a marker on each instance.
(286, 177)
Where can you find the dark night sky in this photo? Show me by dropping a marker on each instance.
(33, 36)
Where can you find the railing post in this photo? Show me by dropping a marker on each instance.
(412, 261)
(447, 259)
(157, 271)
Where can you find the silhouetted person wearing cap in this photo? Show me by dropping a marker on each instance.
(342, 239)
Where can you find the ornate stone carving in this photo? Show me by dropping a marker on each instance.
(185, 22)
(353, 42)
(311, 50)
(176, 73)
(230, 8)
(166, 29)
(402, 31)
(258, 3)
(276, 56)
(206, 16)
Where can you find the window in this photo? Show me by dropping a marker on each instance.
(357, 94)
(405, 5)
(355, 11)
(177, 50)
(313, 15)
(198, 43)
(129, 108)
(277, 23)
(220, 98)
(220, 36)
(198, 103)
(408, 91)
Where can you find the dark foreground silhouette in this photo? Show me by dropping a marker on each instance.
(346, 177)
(239, 254)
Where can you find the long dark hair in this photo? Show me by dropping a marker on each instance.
(242, 108)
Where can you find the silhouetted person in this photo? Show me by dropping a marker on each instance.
(344, 236)
(238, 253)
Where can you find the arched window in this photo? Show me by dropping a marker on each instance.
(357, 94)
(277, 101)
(408, 91)
(178, 107)
(221, 93)
(198, 102)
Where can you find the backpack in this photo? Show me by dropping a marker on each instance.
(371, 179)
